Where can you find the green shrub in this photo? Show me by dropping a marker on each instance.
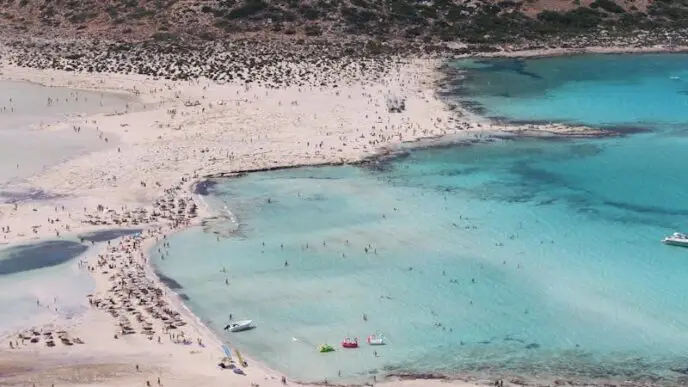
(309, 12)
(165, 37)
(578, 19)
(81, 17)
(607, 5)
(313, 30)
(250, 8)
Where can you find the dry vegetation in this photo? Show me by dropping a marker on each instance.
(473, 21)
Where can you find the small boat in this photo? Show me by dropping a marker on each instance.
(676, 239)
(239, 326)
(323, 348)
(376, 339)
(350, 343)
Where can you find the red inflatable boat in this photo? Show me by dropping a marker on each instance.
(350, 343)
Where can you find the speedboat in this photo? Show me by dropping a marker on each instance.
(350, 343)
(376, 339)
(676, 239)
(239, 326)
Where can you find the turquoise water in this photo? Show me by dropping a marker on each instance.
(640, 91)
(524, 257)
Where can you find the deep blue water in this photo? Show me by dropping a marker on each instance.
(108, 235)
(46, 271)
(38, 255)
(524, 257)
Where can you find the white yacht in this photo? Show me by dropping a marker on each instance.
(676, 239)
(240, 326)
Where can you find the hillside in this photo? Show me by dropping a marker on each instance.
(470, 21)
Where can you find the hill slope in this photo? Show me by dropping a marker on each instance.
(472, 21)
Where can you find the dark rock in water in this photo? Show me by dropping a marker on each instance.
(108, 235)
(474, 107)
(508, 338)
(184, 297)
(627, 129)
(204, 187)
(169, 282)
(39, 255)
(533, 346)
(508, 65)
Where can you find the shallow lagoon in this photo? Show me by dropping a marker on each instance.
(46, 271)
(525, 257)
(24, 107)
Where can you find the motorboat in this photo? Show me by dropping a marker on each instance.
(376, 339)
(239, 326)
(350, 342)
(676, 239)
(324, 348)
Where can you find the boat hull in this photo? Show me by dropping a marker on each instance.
(241, 326)
(376, 340)
(673, 242)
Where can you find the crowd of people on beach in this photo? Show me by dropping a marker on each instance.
(191, 139)
(124, 264)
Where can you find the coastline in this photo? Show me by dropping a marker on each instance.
(562, 51)
(92, 198)
(379, 148)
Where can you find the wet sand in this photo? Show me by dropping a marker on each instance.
(29, 139)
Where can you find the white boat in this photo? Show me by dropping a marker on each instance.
(376, 339)
(239, 326)
(676, 239)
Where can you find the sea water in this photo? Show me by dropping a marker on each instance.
(40, 281)
(524, 257)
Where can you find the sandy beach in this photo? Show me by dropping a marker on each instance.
(137, 332)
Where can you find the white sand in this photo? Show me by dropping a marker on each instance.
(231, 128)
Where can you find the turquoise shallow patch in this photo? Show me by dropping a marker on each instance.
(524, 257)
